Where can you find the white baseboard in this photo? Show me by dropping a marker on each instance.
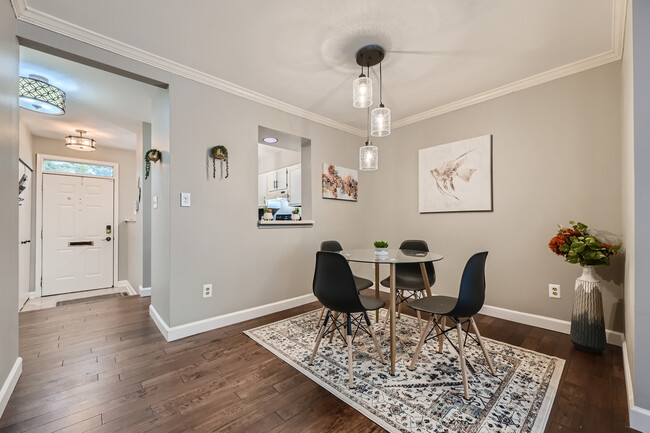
(193, 328)
(144, 291)
(125, 283)
(640, 419)
(563, 326)
(10, 384)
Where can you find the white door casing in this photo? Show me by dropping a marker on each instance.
(24, 233)
(77, 248)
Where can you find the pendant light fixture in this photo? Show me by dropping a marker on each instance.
(362, 91)
(37, 94)
(380, 117)
(368, 153)
(367, 56)
(80, 142)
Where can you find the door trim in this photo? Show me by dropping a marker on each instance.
(39, 212)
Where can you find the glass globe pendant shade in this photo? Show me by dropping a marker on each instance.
(362, 92)
(380, 121)
(368, 157)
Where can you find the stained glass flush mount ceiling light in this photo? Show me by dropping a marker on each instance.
(37, 94)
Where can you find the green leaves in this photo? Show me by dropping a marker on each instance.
(381, 244)
(578, 246)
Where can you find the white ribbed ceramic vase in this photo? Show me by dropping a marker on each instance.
(587, 321)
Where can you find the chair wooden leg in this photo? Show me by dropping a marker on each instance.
(442, 320)
(321, 331)
(322, 311)
(383, 326)
(480, 342)
(461, 355)
(417, 296)
(423, 336)
(350, 373)
(374, 338)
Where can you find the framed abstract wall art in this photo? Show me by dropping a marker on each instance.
(340, 183)
(456, 177)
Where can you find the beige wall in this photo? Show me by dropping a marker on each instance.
(8, 193)
(127, 192)
(556, 153)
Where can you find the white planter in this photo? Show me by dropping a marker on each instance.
(381, 251)
(268, 216)
(295, 217)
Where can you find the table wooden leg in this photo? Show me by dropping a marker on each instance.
(377, 290)
(425, 278)
(392, 318)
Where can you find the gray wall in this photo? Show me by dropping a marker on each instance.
(126, 192)
(8, 191)
(159, 181)
(145, 208)
(627, 183)
(556, 157)
(641, 16)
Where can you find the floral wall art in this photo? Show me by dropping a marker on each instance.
(456, 177)
(340, 183)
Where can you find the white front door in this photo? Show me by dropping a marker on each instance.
(24, 231)
(77, 233)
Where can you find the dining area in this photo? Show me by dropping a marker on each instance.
(405, 354)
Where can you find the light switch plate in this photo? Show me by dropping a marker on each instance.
(186, 199)
(155, 202)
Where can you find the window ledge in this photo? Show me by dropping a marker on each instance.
(268, 224)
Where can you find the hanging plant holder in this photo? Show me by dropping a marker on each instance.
(219, 153)
(152, 155)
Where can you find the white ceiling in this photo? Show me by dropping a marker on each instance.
(298, 55)
(109, 107)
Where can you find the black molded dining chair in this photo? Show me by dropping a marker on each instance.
(335, 289)
(361, 283)
(461, 310)
(408, 279)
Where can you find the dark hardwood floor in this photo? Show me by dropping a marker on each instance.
(104, 367)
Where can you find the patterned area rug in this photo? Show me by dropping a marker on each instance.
(429, 399)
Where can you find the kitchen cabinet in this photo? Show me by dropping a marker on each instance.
(295, 187)
(276, 180)
(261, 189)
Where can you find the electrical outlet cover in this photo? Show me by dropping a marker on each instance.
(554, 291)
(207, 290)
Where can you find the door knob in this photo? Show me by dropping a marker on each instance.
(24, 242)
(108, 238)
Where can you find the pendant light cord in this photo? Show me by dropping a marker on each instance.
(368, 126)
(381, 104)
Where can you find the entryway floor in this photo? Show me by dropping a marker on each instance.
(50, 301)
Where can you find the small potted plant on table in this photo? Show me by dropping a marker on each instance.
(295, 214)
(268, 215)
(381, 248)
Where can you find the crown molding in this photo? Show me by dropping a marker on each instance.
(535, 80)
(25, 13)
(49, 22)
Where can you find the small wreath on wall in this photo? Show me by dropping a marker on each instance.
(219, 153)
(152, 155)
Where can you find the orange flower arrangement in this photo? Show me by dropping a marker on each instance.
(577, 245)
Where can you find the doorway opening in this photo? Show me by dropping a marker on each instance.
(85, 229)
